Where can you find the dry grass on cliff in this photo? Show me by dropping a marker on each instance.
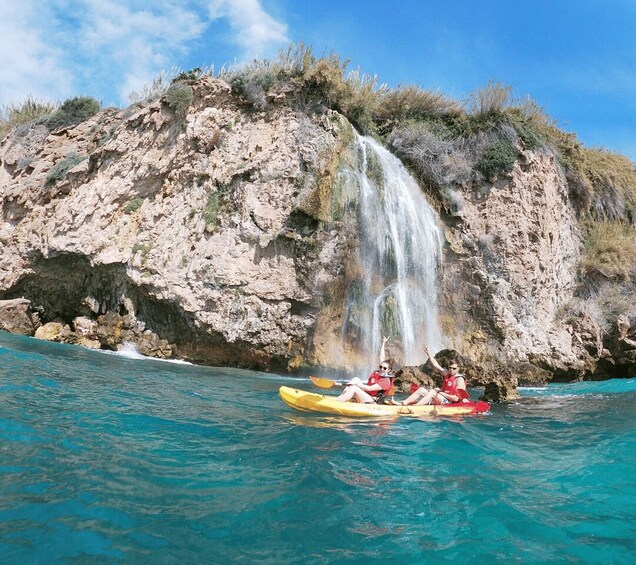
(613, 181)
(28, 111)
(447, 142)
(310, 83)
(412, 104)
(610, 252)
(602, 182)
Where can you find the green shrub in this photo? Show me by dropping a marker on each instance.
(192, 74)
(144, 249)
(498, 159)
(133, 205)
(72, 112)
(253, 86)
(61, 168)
(426, 148)
(309, 83)
(353, 94)
(156, 89)
(179, 96)
(211, 211)
(493, 107)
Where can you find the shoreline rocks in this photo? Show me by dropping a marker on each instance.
(16, 317)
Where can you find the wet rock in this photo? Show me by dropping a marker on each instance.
(408, 376)
(110, 329)
(528, 374)
(56, 331)
(16, 317)
(85, 327)
(501, 388)
(88, 343)
(151, 345)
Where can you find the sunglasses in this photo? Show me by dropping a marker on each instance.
(384, 368)
(454, 367)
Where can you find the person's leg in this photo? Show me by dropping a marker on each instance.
(363, 396)
(415, 396)
(355, 392)
(347, 394)
(439, 399)
(427, 398)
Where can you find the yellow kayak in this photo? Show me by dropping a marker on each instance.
(312, 402)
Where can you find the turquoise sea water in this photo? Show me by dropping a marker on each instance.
(105, 459)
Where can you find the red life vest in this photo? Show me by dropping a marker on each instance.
(377, 379)
(449, 386)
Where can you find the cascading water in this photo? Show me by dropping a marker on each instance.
(394, 291)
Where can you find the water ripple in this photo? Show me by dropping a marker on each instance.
(105, 459)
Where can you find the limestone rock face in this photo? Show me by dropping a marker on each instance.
(409, 376)
(623, 346)
(219, 236)
(211, 227)
(16, 317)
(515, 244)
(501, 389)
(151, 345)
(56, 331)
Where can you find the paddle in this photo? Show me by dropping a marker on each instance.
(321, 382)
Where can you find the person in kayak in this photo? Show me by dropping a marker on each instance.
(379, 384)
(453, 386)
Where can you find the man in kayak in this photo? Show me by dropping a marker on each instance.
(453, 386)
(379, 384)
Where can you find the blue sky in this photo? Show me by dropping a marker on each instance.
(576, 58)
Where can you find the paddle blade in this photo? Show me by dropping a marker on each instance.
(462, 393)
(322, 383)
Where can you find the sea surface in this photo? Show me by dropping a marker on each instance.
(106, 458)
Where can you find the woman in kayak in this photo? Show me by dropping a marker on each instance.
(379, 383)
(453, 386)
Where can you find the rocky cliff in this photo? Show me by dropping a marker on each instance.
(203, 229)
(218, 235)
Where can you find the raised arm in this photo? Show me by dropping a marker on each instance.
(383, 348)
(434, 362)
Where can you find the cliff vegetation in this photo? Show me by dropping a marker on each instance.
(540, 229)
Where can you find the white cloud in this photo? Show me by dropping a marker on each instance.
(136, 41)
(108, 48)
(31, 62)
(255, 31)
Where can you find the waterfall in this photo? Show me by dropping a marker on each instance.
(394, 289)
